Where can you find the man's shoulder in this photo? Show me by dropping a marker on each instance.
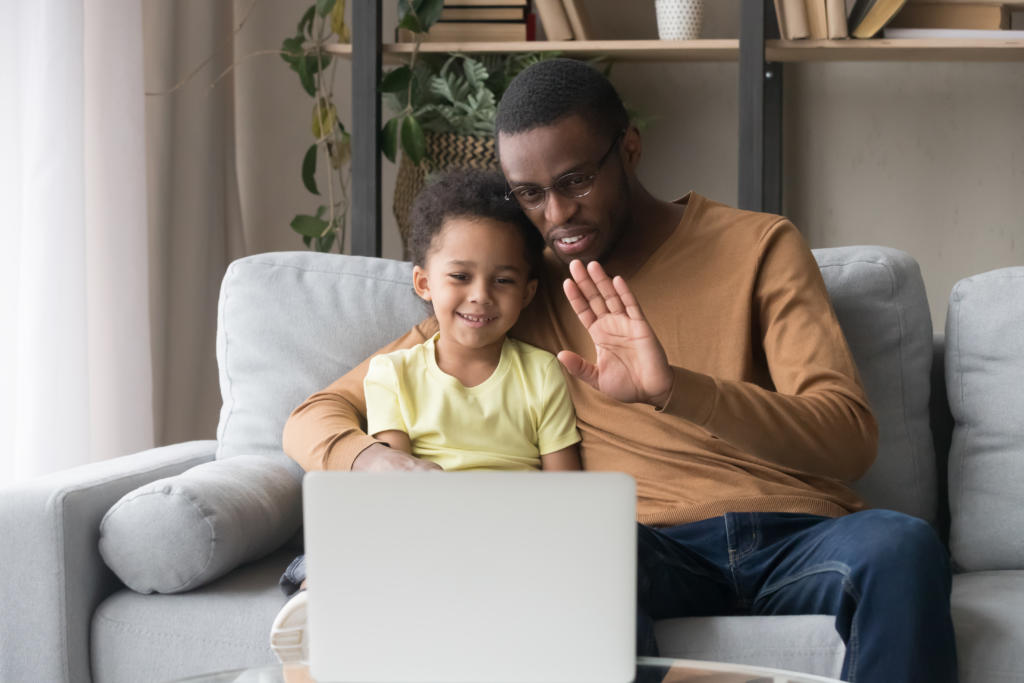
(716, 219)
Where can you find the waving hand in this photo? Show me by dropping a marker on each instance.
(631, 365)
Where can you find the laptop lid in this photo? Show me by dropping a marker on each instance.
(482, 577)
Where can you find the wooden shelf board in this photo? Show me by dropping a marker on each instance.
(895, 50)
(627, 50)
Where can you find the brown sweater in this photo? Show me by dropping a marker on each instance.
(767, 412)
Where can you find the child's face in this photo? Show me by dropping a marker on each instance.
(477, 280)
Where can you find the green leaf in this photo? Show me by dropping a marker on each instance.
(396, 80)
(410, 22)
(414, 143)
(291, 50)
(429, 12)
(324, 7)
(309, 169)
(324, 243)
(308, 84)
(389, 139)
(309, 226)
(306, 22)
(307, 240)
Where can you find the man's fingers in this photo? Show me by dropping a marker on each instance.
(578, 367)
(587, 287)
(605, 287)
(629, 301)
(579, 303)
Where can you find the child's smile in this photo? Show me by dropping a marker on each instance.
(477, 280)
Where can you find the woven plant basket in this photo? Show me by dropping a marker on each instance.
(444, 151)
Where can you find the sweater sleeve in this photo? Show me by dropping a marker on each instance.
(328, 430)
(817, 419)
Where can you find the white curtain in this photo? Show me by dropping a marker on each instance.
(75, 349)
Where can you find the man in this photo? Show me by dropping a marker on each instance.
(718, 378)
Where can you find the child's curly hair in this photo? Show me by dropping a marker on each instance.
(469, 193)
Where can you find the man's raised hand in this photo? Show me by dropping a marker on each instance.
(631, 365)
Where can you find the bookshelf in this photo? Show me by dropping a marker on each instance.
(761, 56)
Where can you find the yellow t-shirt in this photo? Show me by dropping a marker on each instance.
(520, 412)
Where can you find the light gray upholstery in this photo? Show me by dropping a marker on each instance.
(223, 625)
(290, 323)
(176, 534)
(987, 612)
(985, 379)
(796, 643)
(879, 297)
(53, 575)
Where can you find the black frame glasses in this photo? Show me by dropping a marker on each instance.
(574, 185)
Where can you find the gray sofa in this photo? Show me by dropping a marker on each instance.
(164, 563)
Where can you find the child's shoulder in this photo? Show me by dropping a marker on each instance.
(400, 358)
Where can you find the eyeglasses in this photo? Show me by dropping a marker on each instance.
(575, 185)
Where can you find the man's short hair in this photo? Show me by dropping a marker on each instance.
(553, 89)
(469, 193)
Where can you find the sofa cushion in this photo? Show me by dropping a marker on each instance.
(880, 301)
(178, 533)
(986, 609)
(291, 323)
(223, 625)
(807, 643)
(984, 376)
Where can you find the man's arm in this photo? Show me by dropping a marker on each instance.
(817, 420)
(326, 432)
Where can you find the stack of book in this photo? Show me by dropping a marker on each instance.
(479, 21)
(829, 19)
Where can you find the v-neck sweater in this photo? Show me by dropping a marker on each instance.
(767, 412)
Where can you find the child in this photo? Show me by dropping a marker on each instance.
(470, 397)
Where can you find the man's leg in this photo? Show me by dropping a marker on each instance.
(884, 575)
(675, 578)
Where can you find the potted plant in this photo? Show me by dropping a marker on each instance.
(321, 24)
(443, 107)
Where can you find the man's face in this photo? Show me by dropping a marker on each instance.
(565, 154)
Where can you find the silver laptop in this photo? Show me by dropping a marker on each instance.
(473, 577)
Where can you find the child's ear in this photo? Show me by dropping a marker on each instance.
(531, 289)
(420, 283)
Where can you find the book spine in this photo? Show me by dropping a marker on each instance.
(578, 19)
(835, 15)
(553, 19)
(796, 19)
(817, 24)
(953, 15)
(465, 31)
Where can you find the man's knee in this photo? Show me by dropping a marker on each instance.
(894, 541)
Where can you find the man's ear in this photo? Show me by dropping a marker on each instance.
(531, 289)
(420, 283)
(632, 147)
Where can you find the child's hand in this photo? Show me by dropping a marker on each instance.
(381, 458)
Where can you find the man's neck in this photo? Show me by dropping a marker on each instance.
(651, 222)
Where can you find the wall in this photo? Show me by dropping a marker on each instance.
(926, 157)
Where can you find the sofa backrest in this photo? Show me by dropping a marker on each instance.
(879, 298)
(290, 323)
(984, 379)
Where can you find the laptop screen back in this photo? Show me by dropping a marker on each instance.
(483, 577)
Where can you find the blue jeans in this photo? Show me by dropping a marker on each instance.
(884, 575)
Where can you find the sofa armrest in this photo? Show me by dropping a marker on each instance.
(53, 576)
